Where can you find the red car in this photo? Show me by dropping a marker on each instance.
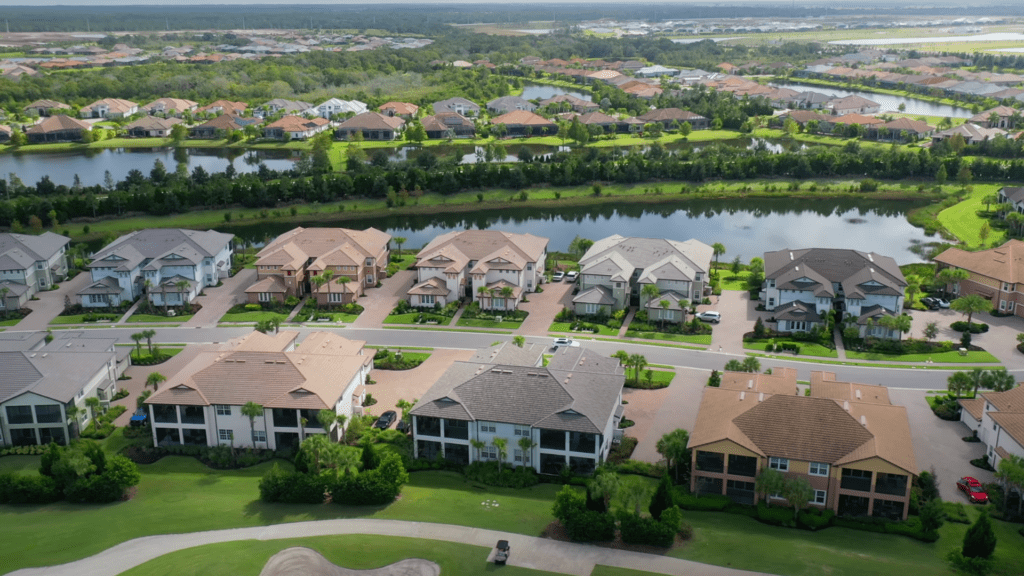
(974, 490)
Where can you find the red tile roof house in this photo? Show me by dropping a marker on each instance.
(109, 108)
(1005, 114)
(523, 123)
(997, 274)
(57, 129)
(297, 127)
(201, 405)
(479, 264)
(846, 440)
(45, 107)
(373, 125)
(286, 266)
(997, 419)
(902, 130)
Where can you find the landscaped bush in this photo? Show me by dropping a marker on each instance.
(982, 463)
(33, 450)
(777, 516)
(708, 502)
(974, 328)
(590, 526)
(385, 359)
(814, 519)
(294, 487)
(955, 512)
(103, 425)
(474, 311)
(23, 489)
(510, 477)
(946, 407)
(622, 451)
(218, 457)
(640, 468)
(644, 530)
(378, 486)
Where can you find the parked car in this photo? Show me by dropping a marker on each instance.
(974, 490)
(571, 276)
(386, 420)
(709, 316)
(942, 302)
(403, 427)
(559, 342)
(934, 303)
(557, 276)
(140, 418)
(501, 552)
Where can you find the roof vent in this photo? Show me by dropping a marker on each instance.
(846, 405)
(750, 384)
(864, 421)
(791, 256)
(742, 396)
(760, 397)
(870, 257)
(858, 394)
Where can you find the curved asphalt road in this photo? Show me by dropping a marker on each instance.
(527, 551)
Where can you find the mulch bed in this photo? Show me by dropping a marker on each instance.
(555, 531)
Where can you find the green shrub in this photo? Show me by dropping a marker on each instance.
(710, 502)
(637, 530)
(291, 301)
(956, 513)
(590, 526)
(18, 489)
(487, 473)
(974, 328)
(253, 307)
(640, 468)
(776, 516)
(814, 519)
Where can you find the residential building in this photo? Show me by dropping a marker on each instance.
(58, 128)
(222, 125)
(296, 127)
(902, 130)
(281, 105)
(568, 411)
(971, 133)
(286, 266)
(670, 117)
(1014, 196)
(152, 127)
(523, 123)
(804, 285)
(615, 269)
(45, 107)
(655, 71)
(506, 104)
(170, 265)
(5, 133)
(29, 264)
(458, 105)
(337, 107)
(448, 125)
(998, 117)
(170, 106)
(402, 109)
(372, 125)
(996, 274)
(496, 269)
(846, 440)
(224, 107)
(202, 403)
(997, 419)
(852, 105)
(41, 383)
(109, 108)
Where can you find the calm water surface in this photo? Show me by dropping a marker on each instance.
(889, 102)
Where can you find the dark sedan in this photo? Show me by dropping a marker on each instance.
(386, 420)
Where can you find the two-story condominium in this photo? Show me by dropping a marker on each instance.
(202, 403)
(565, 414)
(109, 108)
(170, 265)
(1014, 196)
(846, 440)
(615, 269)
(43, 387)
(802, 286)
(996, 274)
(496, 269)
(286, 266)
(997, 419)
(337, 107)
(29, 264)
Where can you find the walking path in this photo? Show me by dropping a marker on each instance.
(219, 300)
(527, 551)
(839, 343)
(626, 321)
(124, 318)
(296, 310)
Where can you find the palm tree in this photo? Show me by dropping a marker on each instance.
(318, 281)
(327, 275)
(72, 413)
(605, 486)
(251, 410)
(155, 379)
(998, 380)
(672, 447)
(399, 240)
(327, 419)
(182, 286)
(913, 287)
(958, 383)
(952, 276)
(3, 296)
(506, 293)
(479, 445)
(94, 405)
(138, 337)
(649, 292)
(341, 419)
(526, 444)
(502, 445)
(148, 335)
(344, 280)
(481, 292)
(638, 362)
(719, 250)
(971, 304)
(664, 306)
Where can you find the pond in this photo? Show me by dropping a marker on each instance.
(746, 227)
(533, 91)
(91, 165)
(890, 103)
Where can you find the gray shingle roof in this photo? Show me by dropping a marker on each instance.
(595, 295)
(154, 243)
(643, 252)
(23, 248)
(832, 265)
(510, 354)
(55, 375)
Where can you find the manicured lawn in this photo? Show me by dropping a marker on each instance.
(19, 464)
(689, 338)
(152, 318)
(336, 317)
(616, 571)
(166, 351)
(962, 219)
(10, 322)
(255, 316)
(806, 349)
(410, 318)
(658, 376)
(564, 327)
(952, 357)
(478, 323)
(406, 261)
(80, 319)
(356, 551)
(737, 282)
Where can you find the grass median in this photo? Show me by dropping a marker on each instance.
(806, 349)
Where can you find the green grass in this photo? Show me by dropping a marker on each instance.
(356, 551)
(736, 282)
(19, 465)
(10, 322)
(564, 327)
(939, 358)
(410, 318)
(136, 318)
(963, 221)
(166, 351)
(658, 376)
(874, 365)
(335, 317)
(806, 349)
(648, 343)
(80, 319)
(255, 316)
(689, 338)
(600, 570)
(405, 261)
(479, 323)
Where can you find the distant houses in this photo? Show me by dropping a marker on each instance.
(58, 128)
(372, 126)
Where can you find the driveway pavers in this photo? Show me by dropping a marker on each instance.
(738, 317)
(1000, 340)
(658, 412)
(51, 303)
(394, 385)
(544, 306)
(379, 302)
(218, 300)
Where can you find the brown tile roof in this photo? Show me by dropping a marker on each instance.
(780, 381)
(48, 104)
(1009, 401)
(115, 105)
(974, 406)
(173, 105)
(900, 124)
(401, 108)
(857, 119)
(431, 286)
(297, 123)
(298, 245)
(824, 385)
(521, 118)
(445, 120)
(1004, 263)
(1001, 111)
(667, 114)
(57, 124)
(153, 123)
(268, 342)
(483, 244)
(372, 121)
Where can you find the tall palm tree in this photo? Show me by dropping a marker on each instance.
(481, 292)
(327, 418)
(148, 335)
(526, 444)
(252, 410)
(72, 413)
(319, 280)
(506, 293)
(719, 250)
(399, 240)
(327, 275)
(952, 276)
(182, 286)
(344, 280)
(341, 419)
(479, 445)
(971, 304)
(649, 292)
(502, 445)
(94, 405)
(138, 337)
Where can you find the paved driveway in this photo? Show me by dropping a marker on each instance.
(1000, 340)
(379, 302)
(658, 412)
(938, 445)
(51, 303)
(393, 385)
(218, 300)
(738, 317)
(544, 306)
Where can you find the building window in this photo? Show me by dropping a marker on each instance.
(818, 469)
(592, 308)
(489, 453)
(224, 435)
(264, 297)
(780, 464)
(223, 410)
(335, 297)
(488, 427)
(522, 457)
(819, 497)
(369, 280)
(522, 431)
(97, 298)
(428, 299)
(259, 436)
(369, 262)
(1007, 287)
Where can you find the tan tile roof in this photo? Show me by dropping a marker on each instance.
(115, 105)
(1004, 263)
(173, 105)
(430, 286)
(824, 385)
(58, 123)
(857, 119)
(521, 118)
(226, 105)
(461, 247)
(298, 123)
(296, 246)
(259, 342)
(403, 108)
(1010, 401)
(974, 406)
(372, 121)
(780, 381)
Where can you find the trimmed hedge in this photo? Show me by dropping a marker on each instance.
(974, 328)
(645, 530)
(103, 425)
(955, 512)
(590, 526)
(715, 502)
(509, 477)
(18, 489)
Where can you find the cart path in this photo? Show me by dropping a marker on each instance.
(527, 551)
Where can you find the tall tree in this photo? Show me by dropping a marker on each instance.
(502, 445)
(155, 379)
(958, 382)
(970, 305)
(952, 276)
(148, 334)
(768, 482)
(798, 492)
(252, 410)
(327, 419)
(672, 447)
(399, 240)
(980, 539)
(138, 337)
(719, 250)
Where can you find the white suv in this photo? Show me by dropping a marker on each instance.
(559, 342)
(709, 316)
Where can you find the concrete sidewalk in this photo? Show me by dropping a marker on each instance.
(527, 551)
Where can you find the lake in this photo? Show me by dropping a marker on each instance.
(747, 227)
(889, 102)
(992, 37)
(90, 165)
(533, 91)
